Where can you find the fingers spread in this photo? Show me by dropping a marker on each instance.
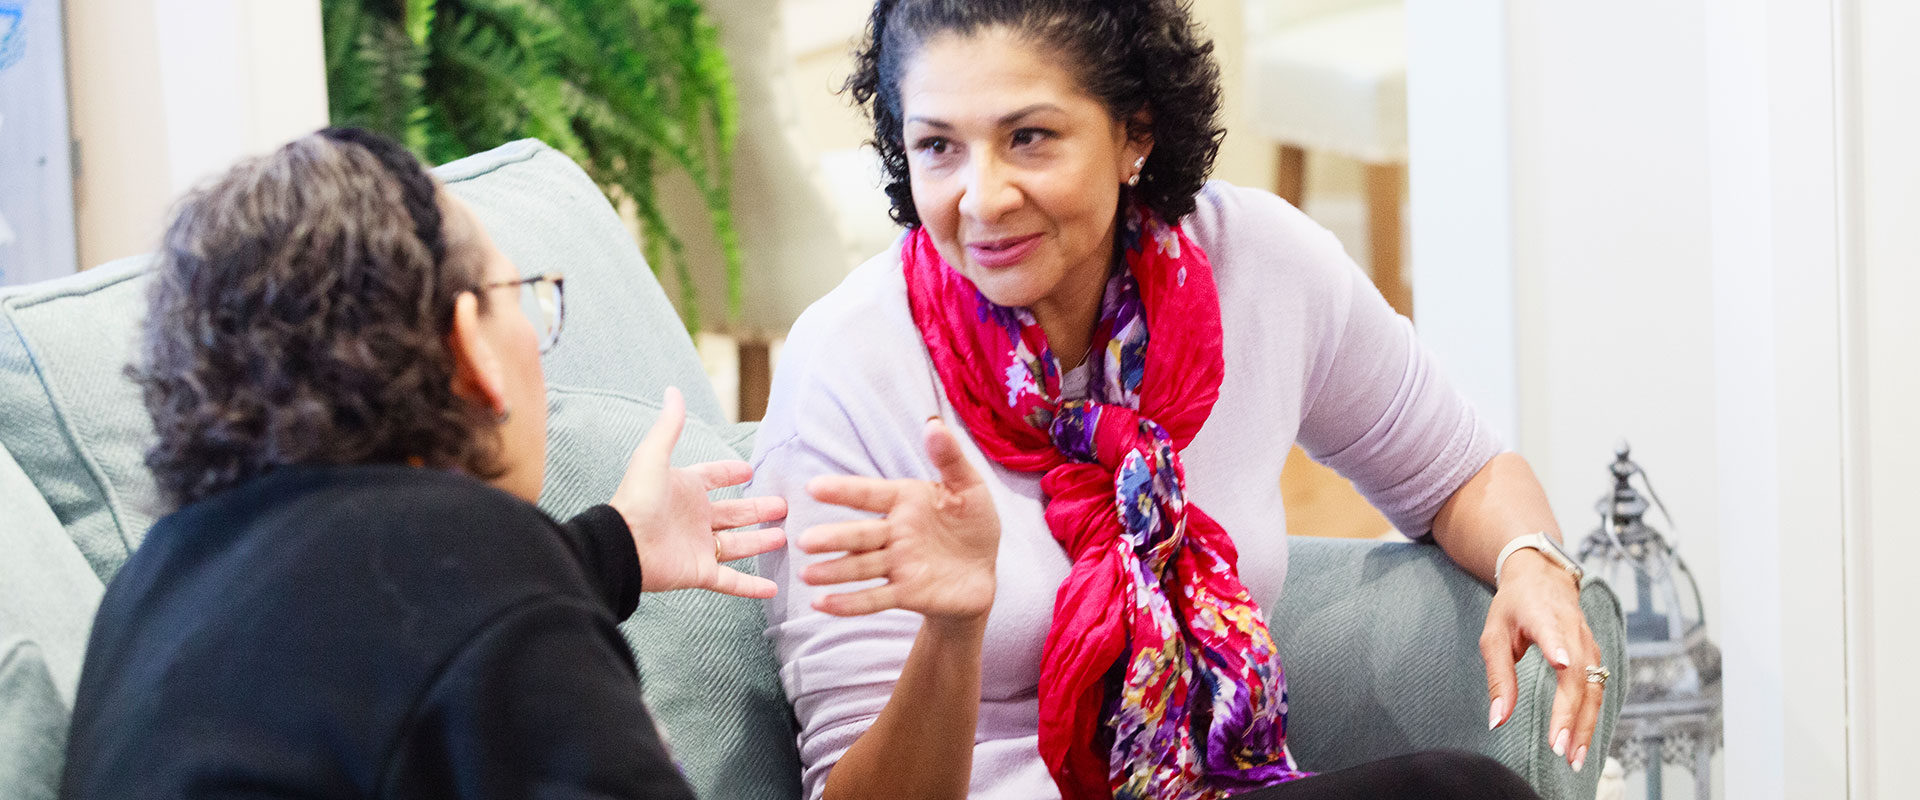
(944, 451)
(854, 536)
(745, 544)
(657, 447)
(846, 569)
(739, 584)
(865, 494)
(721, 474)
(853, 604)
(748, 511)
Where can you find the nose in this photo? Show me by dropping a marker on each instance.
(990, 192)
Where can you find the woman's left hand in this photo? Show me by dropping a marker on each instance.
(1538, 603)
(681, 536)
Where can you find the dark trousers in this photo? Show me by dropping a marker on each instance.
(1433, 775)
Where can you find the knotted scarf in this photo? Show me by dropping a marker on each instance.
(1159, 678)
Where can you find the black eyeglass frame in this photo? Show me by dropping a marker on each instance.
(559, 282)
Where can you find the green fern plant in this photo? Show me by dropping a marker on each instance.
(630, 89)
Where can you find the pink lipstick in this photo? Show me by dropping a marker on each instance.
(999, 253)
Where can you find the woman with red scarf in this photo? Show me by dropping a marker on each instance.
(1034, 453)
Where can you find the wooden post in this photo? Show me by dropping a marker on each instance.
(756, 378)
(1385, 185)
(1290, 178)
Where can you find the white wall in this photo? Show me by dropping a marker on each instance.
(1461, 209)
(168, 92)
(1711, 208)
(1560, 240)
(1884, 189)
(1778, 284)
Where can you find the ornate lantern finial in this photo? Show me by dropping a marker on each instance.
(1672, 710)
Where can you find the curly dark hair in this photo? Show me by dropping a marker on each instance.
(299, 314)
(1134, 55)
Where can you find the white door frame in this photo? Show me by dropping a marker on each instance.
(1786, 364)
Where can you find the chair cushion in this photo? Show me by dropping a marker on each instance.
(1334, 82)
(33, 724)
(48, 593)
(1380, 642)
(708, 675)
(68, 413)
(76, 424)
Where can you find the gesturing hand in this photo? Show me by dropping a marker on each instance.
(1537, 603)
(935, 545)
(679, 533)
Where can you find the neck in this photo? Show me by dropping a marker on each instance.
(1069, 323)
(1071, 313)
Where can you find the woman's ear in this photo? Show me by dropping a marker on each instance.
(1138, 144)
(477, 373)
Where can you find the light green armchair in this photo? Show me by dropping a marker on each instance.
(1378, 638)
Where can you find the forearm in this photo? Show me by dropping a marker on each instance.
(922, 744)
(1501, 501)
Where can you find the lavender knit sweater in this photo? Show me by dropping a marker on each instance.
(1313, 354)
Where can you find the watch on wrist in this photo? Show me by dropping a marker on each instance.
(1543, 543)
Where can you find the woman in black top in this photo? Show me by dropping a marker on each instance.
(356, 597)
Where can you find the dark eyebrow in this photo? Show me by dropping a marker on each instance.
(1028, 111)
(1004, 121)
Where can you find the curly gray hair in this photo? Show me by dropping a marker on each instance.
(299, 315)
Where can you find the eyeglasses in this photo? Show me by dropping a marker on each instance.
(543, 300)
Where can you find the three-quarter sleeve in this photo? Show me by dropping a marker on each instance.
(838, 672)
(1377, 409)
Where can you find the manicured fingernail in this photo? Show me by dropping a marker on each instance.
(1560, 658)
(1494, 714)
(1579, 758)
(1560, 742)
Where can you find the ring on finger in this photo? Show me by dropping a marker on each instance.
(1598, 675)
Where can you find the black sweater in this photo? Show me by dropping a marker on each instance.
(362, 632)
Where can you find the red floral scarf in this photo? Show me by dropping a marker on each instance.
(1159, 678)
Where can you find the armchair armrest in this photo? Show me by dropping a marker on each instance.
(33, 724)
(1380, 642)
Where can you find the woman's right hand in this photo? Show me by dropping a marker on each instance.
(936, 543)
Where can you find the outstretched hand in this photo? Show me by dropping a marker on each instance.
(936, 543)
(682, 537)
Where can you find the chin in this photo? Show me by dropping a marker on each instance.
(1009, 290)
(1018, 286)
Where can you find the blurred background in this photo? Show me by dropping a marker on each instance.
(1687, 224)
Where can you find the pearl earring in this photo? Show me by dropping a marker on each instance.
(1138, 163)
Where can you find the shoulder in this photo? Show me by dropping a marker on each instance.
(430, 505)
(1252, 235)
(867, 312)
(854, 373)
(1273, 262)
(443, 530)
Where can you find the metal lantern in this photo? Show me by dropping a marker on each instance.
(1672, 709)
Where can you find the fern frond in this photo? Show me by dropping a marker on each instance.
(624, 87)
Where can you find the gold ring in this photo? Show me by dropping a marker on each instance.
(1598, 674)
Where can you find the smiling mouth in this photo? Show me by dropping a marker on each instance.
(1002, 252)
